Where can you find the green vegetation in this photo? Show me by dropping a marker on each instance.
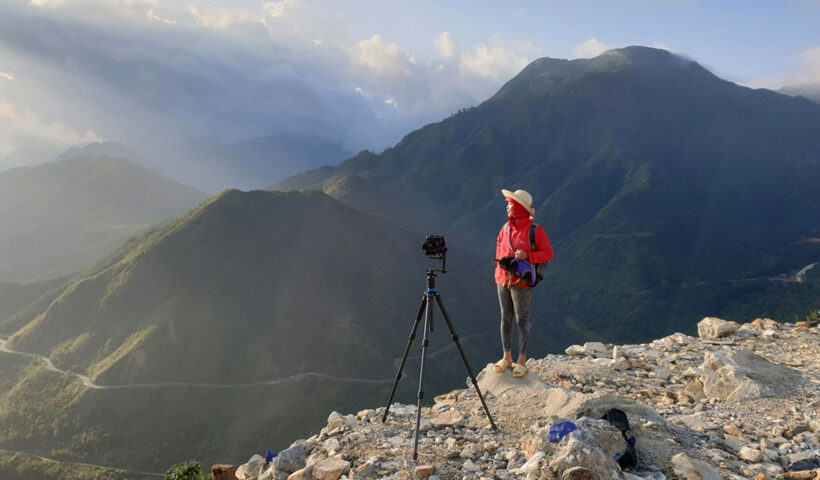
(184, 471)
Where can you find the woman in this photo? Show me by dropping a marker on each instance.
(514, 292)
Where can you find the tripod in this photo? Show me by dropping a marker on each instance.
(427, 306)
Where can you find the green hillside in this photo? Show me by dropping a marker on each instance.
(248, 287)
(58, 218)
(649, 173)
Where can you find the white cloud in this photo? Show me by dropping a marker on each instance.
(222, 18)
(386, 59)
(282, 8)
(7, 76)
(589, 49)
(809, 64)
(807, 73)
(500, 59)
(26, 125)
(447, 47)
(47, 3)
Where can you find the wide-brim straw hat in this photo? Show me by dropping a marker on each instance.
(522, 197)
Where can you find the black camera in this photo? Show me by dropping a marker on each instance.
(434, 246)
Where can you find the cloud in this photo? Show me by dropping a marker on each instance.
(7, 76)
(47, 3)
(589, 49)
(806, 74)
(24, 128)
(500, 59)
(223, 18)
(386, 59)
(144, 71)
(447, 47)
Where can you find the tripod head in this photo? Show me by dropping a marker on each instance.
(435, 247)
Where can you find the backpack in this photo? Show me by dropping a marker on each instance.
(617, 418)
(540, 268)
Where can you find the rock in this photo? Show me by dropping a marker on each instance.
(223, 472)
(470, 466)
(741, 375)
(770, 324)
(330, 468)
(335, 420)
(732, 430)
(291, 459)
(494, 383)
(579, 473)
(365, 470)
(758, 323)
(751, 455)
(713, 328)
(450, 418)
(592, 446)
(796, 429)
(596, 349)
(692, 469)
(423, 471)
(252, 469)
(575, 350)
(302, 474)
(804, 475)
(620, 363)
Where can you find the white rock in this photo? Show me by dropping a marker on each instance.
(252, 469)
(470, 466)
(751, 455)
(596, 348)
(692, 469)
(575, 350)
(335, 420)
(713, 327)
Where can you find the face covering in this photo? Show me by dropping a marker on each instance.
(519, 213)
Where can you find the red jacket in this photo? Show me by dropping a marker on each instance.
(520, 236)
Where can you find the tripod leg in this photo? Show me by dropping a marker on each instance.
(454, 336)
(428, 320)
(404, 358)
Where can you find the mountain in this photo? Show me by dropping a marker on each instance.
(60, 217)
(811, 92)
(187, 327)
(658, 183)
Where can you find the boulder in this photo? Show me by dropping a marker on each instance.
(330, 469)
(575, 350)
(597, 349)
(291, 459)
(492, 382)
(252, 469)
(592, 446)
(741, 375)
(335, 420)
(580, 473)
(303, 474)
(691, 469)
(712, 328)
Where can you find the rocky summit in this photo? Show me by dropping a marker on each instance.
(736, 402)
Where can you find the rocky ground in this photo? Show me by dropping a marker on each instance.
(737, 402)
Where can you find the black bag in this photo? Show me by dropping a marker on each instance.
(617, 418)
(540, 268)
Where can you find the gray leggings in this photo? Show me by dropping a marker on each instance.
(515, 301)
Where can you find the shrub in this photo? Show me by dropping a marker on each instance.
(184, 471)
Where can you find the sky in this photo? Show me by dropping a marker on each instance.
(360, 73)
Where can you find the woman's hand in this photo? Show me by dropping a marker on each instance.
(520, 254)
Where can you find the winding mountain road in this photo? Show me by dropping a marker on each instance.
(80, 464)
(277, 381)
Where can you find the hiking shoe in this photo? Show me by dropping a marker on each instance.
(519, 370)
(502, 365)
